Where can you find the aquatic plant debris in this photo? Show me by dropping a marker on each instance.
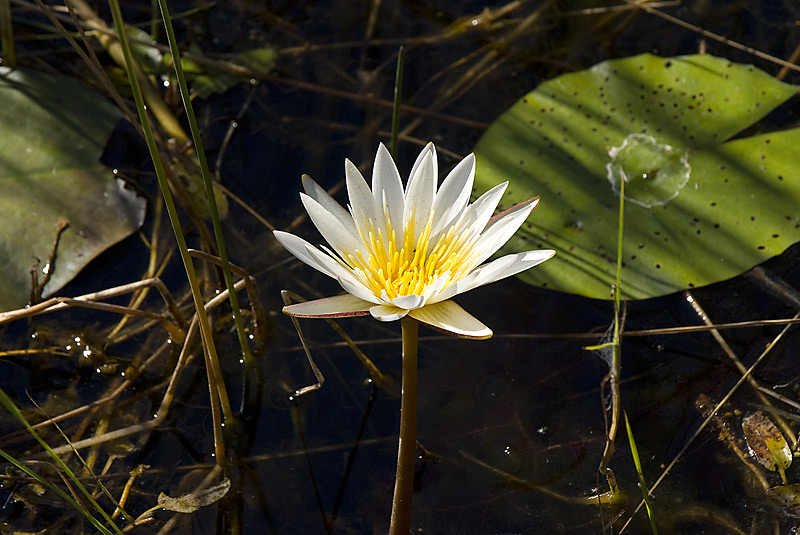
(703, 207)
(189, 503)
(52, 133)
(766, 443)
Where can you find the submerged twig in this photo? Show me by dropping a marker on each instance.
(381, 380)
(707, 420)
(705, 33)
(739, 366)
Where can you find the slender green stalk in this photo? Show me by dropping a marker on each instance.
(153, 20)
(9, 405)
(86, 466)
(407, 445)
(210, 194)
(7, 34)
(205, 326)
(618, 280)
(56, 490)
(616, 355)
(616, 341)
(642, 483)
(398, 97)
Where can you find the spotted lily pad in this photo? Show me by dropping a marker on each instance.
(700, 207)
(52, 133)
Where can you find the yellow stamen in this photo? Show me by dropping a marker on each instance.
(393, 269)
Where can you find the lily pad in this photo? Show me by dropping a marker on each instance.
(700, 207)
(52, 133)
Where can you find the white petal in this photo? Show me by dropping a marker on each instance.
(387, 312)
(335, 266)
(436, 287)
(318, 193)
(408, 302)
(453, 289)
(420, 192)
(339, 306)
(362, 202)
(505, 267)
(449, 317)
(340, 237)
(388, 188)
(501, 227)
(325, 263)
(300, 249)
(453, 195)
(477, 214)
(532, 202)
(354, 287)
(428, 149)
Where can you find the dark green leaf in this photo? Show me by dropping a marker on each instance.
(52, 132)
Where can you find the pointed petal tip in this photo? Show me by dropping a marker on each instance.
(483, 334)
(350, 167)
(543, 254)
(527, 205)
(308, 182)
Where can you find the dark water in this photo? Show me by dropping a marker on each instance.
(512, 428)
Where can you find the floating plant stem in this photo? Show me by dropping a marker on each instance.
(407, 444)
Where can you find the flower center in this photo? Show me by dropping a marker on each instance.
(391, 269)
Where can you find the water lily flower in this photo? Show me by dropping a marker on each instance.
(407, 251)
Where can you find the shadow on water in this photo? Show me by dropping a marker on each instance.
(511, 429)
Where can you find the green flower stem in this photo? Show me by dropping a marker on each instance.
(407, 447)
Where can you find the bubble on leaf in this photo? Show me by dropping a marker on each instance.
(654, 173)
